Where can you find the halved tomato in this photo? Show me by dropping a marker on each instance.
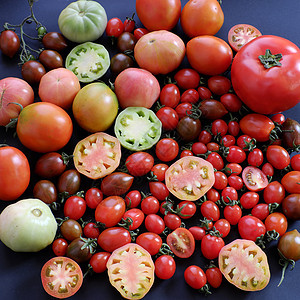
(61, 277)
(254, 179)
(241, 34)
(131, 271)
(245, 265)
(189, 178)
(97, 155)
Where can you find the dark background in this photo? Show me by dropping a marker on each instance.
(20, 272)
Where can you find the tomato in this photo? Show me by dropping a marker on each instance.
(59, 86)
(95, 107)
(278, 157)
(150, 205)
(255, 157)
(289, 244)
(126, 41)
(80, 250)
(159, 52)
(9, 43)
(295, 162)
(290, 133)
(91, 230)
(165, 267)
(136, 87)
(169, 95)
(93, 196)
(181, 242)
(139, 32)
(221, 180)
(189, 128)
(172, 221)
(166, 149)
(190, 95)
(133, 198)
(71, 229)
(45, 190)
(168, 117)
(137, 275)
(97, 155)
(219, 84)
(223, 226)
(254, 179)
(114, 27)
(82, 21)
(189, 178)
(202, 50)
(210, 210)
(120, 62)
(159, 190)
(214, 276)
(245, 265)
(137, 128)
(187, 78)
(32, 71)
(154, 223)
(274, 192)
(276, 221)
(232, 213)
(40, 117)
(195, 277)
(15, 90)
(183, 109)
(51, 59)
(212, 109)
(15, 165)
(251, 228)
(249, 199)
(161, 15)
(290, 182)
(74, 207)
(135, 217)
(150, 241)
(201, 17)
(98, 261)
(197, 232)
(186, 209)
(241, 34)
(69, 182)
(61, 277)
(235, 154)
(233, 169)
(291, 207)
(199, 148)
(110, 211)
(232, 103)
(247, 71)
(139, 163)
(55, 41)
(129, 23)
(260, 210)
(59, 247)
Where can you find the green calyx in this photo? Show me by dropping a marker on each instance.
(270, 60)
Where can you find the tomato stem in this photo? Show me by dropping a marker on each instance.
(270, 60)
(284, 262)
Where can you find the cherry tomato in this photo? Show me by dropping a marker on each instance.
(291, 206)
(120, 62)
(188, 128)
(195, 277)
(59, 247)
(246, 142)
(197, 232)
(46, 191)
(135, 216)
(190, 95)
(251, 228)
(221, 180)
(187, 78)
(69, 182)
(165, 266)
(219, 127)
(93, 197)
(172, 221)
(268, 169)
(223, 226)
(204, 92)
(276, 221)
(212, 109)
(214, 276)
(32, 71)
(9, 43)
(278, 157)
(219, 84)
(54, 41)
(231, 102)
(235, 154)
(249, 199)
(78, 251)
(260, 211)
(159, 190)
(71, 229)
(74, 207)
(159, 170)
(154, 223)
(186, 209)
(133, 199)
(114, 27)
(255, 157)
(278, 118)
(211, 246)
(168, 117)
(289, 245)
(232, 213)
(150, 241)
(254, 179)
(150, 205)
(169, 95)
(139, 163)
(229, 193)
(129, 24)
(91, 230)
(51, 59)
(228, 140)
(274, 192)
(213, 195)
(210, 210)
(166, 149)
(98, 261)
(295, 162)
(139, 32)
(290, 182)
(126, 41)
(183, 109)
(235, 182)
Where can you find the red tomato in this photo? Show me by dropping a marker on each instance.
(223, 226)
(211, 246)
(172, 221)
(231, 102)
(183, 109)
(251, 228)
(114, 27)
(129, 23)
(291, 206)
(232, 213)
(210, 210)
(59, 247)
(135, 217)
(139, 163)
(165, 267)
(166, 149)
(181, 242)
(197, 232)
(295, 162)
(249, 199)
(187, 78)
(61, 277)
(201, 51)
(195, 277)
(169, 95)
(221, 180)
(235, 154)
(255, 157)
(214, 276)
(241, 34)
(154, 223)
(201, 17)
(260, 211)
(204, 92)
(150, 241)
(98, 261)
(290, 182)
(150, 205)
(9, 43)
(186, 209)
(91, 230)
(162, 14)
(93, 196)
(159, 190)
(247, 71)
(278, 157)
(168, 117)
(139, 32)
(254, 179)
(159, 52)
(159, 170)
(133, 198)
(190, 95)
(219, 85)
(14, 167)
(276, 221)
(274, 192)
(74, 207)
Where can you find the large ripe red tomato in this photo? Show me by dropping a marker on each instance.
(44, 127)
(159, 52)
(15, 171)
(199, 17)
(261, 87)
(59, 86)
(157, 15)
(209, 55)
(13, 90)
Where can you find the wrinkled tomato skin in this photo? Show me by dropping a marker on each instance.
(251, 228)
(291, 206)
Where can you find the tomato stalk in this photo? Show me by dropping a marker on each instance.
(271, 235)
(270, 60)
(284, 262)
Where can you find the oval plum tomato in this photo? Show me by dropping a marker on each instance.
(114, 27)
(201, 17)
(182, 242)
(93, 196)
(9, 43)
(199, 148)
(274, 192)
(159, 190)
(213, 195)
(159, 170)
(61, 277)
(195, 277)
(159, 52)
(254, 179)
(232, 213)
(219, 84)
(202, 50)
(190, 95)
(214, 276)
(245, 265)
(249, 199)
(251, 228)
(219, 127)
(204, 92)
(98, 261)
(231, 102)
(241, 34)
(97, 155)
(168, 117)
(150, 241)
(189, 128)
(290, 133)
(255, 157)
(55, 41)
(59, 86)
(40, 117)
(295, 162)
(133, 198)
(186, 209)
(51, 59)
(221, 180)
(163, 14)
(276, 221)
(139, 32)
(210, 210)
(233, 169)
(223, 226)
(59, 247)
(189, 178)
(150, 205)
(134, 217)
(32, 71)
(14, 164)
(110, 211)
(166, 149)
(183, 109)
(197, 232)
(137, 272)
(172, 221)
(139, 163)
(211, 246)
(13, 90)
(74, 207)
(290, 182)
(260, 210)
(235, 182)
(45, 190)
(165, 266)
(169, 95)
(69, 182)
(212, 109)
(235, 154)
(278, 157)
(187, 78)
(154, 223)
(291, 206)
(289, 244)
(247, 71)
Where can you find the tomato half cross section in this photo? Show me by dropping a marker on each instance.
(190, 177)
(61, 277)
(131, 271)
(245, 265)
(97, 155)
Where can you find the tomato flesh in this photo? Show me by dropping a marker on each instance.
(254, 179)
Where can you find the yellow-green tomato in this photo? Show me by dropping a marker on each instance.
(27, 226)
(95, 107)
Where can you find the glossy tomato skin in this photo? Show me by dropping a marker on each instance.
(291, 206)
(116, 184)
(248, 73)
(15, 165)
(278, 157)
(45, 190)
(51, 59)
(195, 277)
(211, 246)
(71, 229)
(276, 221)
(187, 78)
(289, 245)
(75, 207)
(139, 163)
(165, 266)
(150, 241)
(168, 117)
(78, 252)
(98, 261)
(120, 62)
(69, 181)
(32, 71)
(254, 179)
(251, 228)
(290, 182)
(55, 41)
(188, 128)
(166, 149)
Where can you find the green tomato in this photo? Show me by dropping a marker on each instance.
(137, 128)
(88, 61)
(27, 226)
(82, 21)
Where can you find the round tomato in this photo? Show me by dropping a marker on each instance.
(39, 118)
(59, 86)
(211, 246)
(33, 71)
(291, 133)
(13, 90)
(98, 261)
(209, 55)
(9, 43)
(289, 245)
(166, 149)
(274, 192)
(150, 241)
(139, 163)
(291, 206)
(74, 207)
(61, 277)
(254, 179)
(291, 182)
(158, 15)
(201, 17)
(276, 221)
(251, 228)
(264, 70)
(95, 107)
(241, 34)
(14, 164)
(159, 52)
(97, 155)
